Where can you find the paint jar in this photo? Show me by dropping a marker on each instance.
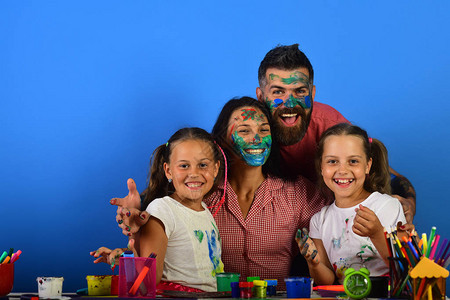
(6, 279)
(259, 289)
(251, 279)
(224, 281)
(271, 287)
(99, 285)
(114, 285)
(50, 287)
(246, 289)
(235, 290)
(298, 287)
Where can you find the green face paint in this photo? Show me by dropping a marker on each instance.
(254, 154)
(304, 102)
(294, 78)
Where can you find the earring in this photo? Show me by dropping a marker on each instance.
(170, 180)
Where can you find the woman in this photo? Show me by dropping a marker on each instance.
(261, 212)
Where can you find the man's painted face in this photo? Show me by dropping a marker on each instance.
(299, 96)
(288, 95)
(249, 135)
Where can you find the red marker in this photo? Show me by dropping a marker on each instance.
(15, 256)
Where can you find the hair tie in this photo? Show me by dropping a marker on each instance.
(167, 144)
(370, 140)
(225, 182)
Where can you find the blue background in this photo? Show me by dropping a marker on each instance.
(89, 88)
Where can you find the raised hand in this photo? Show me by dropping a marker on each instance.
(129, 217)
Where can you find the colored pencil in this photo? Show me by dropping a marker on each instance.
(430, 240)
(435, 244)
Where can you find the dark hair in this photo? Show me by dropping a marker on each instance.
(284, 58)
(158, 185)
(379, 177)
(220, 129)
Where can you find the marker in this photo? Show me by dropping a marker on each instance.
(425, 244)
(430, 240)
(416, 244)
(334, 288)
(411, 247)
(4, 255)
(6, 260)
(435, 244)
(141, 276)
(130, 268)
(16, 256)
(441, 249)
(444, 255)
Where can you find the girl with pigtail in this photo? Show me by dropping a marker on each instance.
(181, 231)
(350, 231)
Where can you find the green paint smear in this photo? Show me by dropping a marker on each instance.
(273, 76)
(251, 114)
(295, 77)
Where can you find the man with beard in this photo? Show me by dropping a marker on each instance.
(286, 86)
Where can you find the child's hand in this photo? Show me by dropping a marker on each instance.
(111, 257)
(366, 222)
(306, 246)
(103, 254)
(404, 230)
(129, 217)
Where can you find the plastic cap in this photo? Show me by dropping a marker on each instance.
(245, 284)
(259, 283)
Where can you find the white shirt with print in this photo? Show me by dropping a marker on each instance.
(193, 249)
(333, 225)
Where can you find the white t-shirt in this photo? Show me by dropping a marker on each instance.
(333, 225)
(193, 249)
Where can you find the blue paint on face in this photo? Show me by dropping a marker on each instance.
(252, 159)
(307, 102)
(277, 102)
(291, 102)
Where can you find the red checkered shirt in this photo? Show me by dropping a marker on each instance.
(263, 244)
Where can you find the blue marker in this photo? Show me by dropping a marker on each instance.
(130, 268)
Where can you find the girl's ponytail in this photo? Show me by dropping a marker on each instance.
(379, 177)
(158, 185)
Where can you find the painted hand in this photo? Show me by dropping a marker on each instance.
(404, 230)
(102, 254)
(129, 217)
(111, 257)
(307, 246)
(366, 222)
(409, 207)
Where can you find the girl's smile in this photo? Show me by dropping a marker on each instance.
(344, 168)
(192, 171)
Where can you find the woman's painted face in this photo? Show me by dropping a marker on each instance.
(249, 135)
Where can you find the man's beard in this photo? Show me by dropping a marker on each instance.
(287, 136)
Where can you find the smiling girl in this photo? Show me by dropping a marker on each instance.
(350, 231)
(181, 230)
